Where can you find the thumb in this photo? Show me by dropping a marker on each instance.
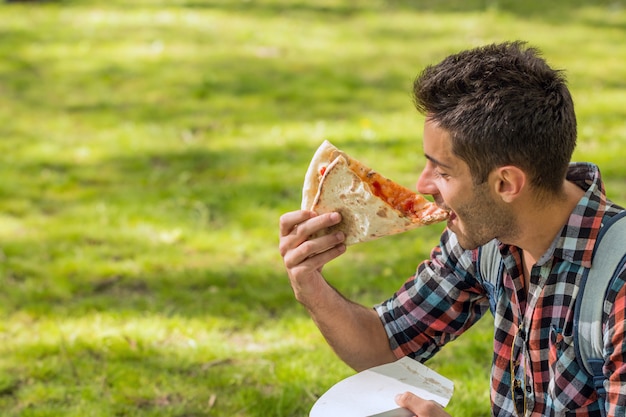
(419, 406)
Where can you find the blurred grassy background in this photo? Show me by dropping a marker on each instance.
(147, 149)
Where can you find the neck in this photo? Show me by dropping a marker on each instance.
(540, 222)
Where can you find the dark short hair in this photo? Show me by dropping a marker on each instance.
(502, 105)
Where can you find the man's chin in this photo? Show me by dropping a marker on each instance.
(466, 242)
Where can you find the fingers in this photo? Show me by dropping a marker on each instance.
(301, 252)
(296, 228)
(289, 221)
(313, 254)
(420, 406)
(304, 256)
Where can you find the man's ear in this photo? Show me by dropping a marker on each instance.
(508, 182)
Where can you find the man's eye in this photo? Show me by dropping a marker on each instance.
(440, 174)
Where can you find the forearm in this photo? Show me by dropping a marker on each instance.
(354, 331)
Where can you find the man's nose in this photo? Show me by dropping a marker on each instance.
(425, 183)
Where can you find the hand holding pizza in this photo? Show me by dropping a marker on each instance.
(304, 257)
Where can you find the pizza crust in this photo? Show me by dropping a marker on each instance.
(322, 158)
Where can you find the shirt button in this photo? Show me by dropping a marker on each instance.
(529, 389)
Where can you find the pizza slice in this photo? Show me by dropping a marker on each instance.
(371, 205)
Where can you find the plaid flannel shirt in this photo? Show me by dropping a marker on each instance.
(446, 297)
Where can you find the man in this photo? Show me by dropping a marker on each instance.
(499, 133)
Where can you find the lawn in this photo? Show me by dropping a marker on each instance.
(147, 149)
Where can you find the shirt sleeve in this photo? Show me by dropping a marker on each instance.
(437, 304)
(615, 346)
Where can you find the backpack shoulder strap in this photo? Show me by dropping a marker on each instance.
(489, 269)
(609, 256)
(489, 261)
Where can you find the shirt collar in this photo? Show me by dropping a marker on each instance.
(578, 236)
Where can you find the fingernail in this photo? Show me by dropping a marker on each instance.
(336, 217)
(340, 236)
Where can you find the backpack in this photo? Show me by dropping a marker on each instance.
(609, 257)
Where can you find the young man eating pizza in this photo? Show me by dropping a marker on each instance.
(499, 133)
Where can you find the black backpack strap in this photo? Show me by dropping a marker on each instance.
(609, 257)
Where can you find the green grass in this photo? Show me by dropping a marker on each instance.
(147, 149)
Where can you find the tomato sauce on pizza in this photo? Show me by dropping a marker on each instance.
(407, 202)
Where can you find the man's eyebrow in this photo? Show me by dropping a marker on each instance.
(436, 162)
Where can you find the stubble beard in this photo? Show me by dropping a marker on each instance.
(483, 219)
